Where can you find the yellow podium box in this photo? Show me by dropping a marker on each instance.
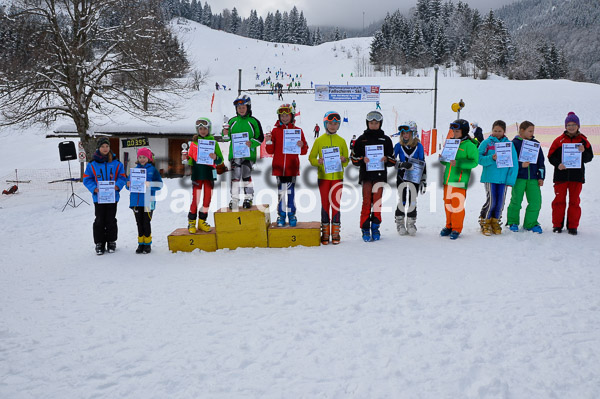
(184, 241)
(245, 228)
(307, 234)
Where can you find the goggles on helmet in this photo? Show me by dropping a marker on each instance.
(201, 123)
(241, 101)
(404, 128)
(374, 116)
(333, 118)
(455, 126)
(284, 109)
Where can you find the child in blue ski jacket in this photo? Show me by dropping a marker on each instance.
(105, 168)
(143, 204)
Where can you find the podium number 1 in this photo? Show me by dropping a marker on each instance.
(239, 219)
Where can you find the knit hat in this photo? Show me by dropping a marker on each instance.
(571, 117)
(102, 140)
(145, 152)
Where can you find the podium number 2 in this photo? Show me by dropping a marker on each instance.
(191, 241)
(239, 219)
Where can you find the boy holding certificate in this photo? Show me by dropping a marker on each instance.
(569, 153)
(330, 155)
(373, 151)
(245, 134)
(498, 157)
(105, 177)
(205, 154)
(141, 199)
(285, 143)
(531, 175)
(411, 177)
(456, 178)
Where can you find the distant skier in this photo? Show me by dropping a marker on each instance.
(317, 129)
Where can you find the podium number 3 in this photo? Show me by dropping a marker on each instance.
(293, 238)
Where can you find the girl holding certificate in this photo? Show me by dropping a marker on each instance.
(500, 164)
(531, 175)
(205, 154)
(456, 178)
(141, 199)
(330, 155)
(568, 154)
(105, 177)
(373, 151)
(411, 177)
(285, 143)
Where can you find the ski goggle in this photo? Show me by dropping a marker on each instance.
(455, 126)
(201, 123)
(284, 109)
(374, 116)
(240, 101)
(404, 128)
(333, 118)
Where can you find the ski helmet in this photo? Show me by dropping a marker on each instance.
(331, 116)
(462, 125)
(204, 122)
(244, 100)
(375, 116)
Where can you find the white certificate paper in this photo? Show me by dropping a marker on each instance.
(290, 141)
(504, 155)
(571, 157)
(414, 174)
(137, 180)
(205, 148)
(450, 150)
(331, 160)
(529, 151)
(374, 153)
(240, 149)
(106, 192)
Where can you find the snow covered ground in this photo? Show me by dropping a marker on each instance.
(510, 316)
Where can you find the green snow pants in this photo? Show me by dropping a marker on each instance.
(530, 188)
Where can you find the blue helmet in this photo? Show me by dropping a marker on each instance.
(331, 116)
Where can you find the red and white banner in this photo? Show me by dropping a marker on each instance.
(425, 140)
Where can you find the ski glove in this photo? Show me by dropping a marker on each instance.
(423, 186)
(405, 165)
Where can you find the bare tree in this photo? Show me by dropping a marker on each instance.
(91, 56)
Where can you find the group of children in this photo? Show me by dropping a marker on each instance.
(372, 152)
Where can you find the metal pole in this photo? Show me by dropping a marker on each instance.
(239, 82)
(435, 91)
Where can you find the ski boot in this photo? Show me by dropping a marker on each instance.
(234, 204)
(247, 203)
(514, 228)
(140, 247)
(325, 231)
(486, 227)
(445, 232)
(111, 247)
(192, 226)
(366, 235)
(100, 249)
(496, 227)
(400, 225)
(203, 226)
(411, 226)
(335, 233)
(281, 219)
(454, 235)
(536, 229)
(572, 232)
(292, 219)
(375, 234)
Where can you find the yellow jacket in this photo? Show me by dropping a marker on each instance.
(328, 141)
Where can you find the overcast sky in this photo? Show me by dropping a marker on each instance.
(336, 12)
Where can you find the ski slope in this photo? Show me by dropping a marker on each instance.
(510, 316)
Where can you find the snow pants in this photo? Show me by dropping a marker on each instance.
(331, 195)
(371, 203)
(286, 191)
(531, 189)
(494, 202)
(241, 169)
(454, 205)
(559, 205)
(199, 186)
(105, 224)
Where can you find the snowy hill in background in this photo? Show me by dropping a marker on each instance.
(510, 316)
